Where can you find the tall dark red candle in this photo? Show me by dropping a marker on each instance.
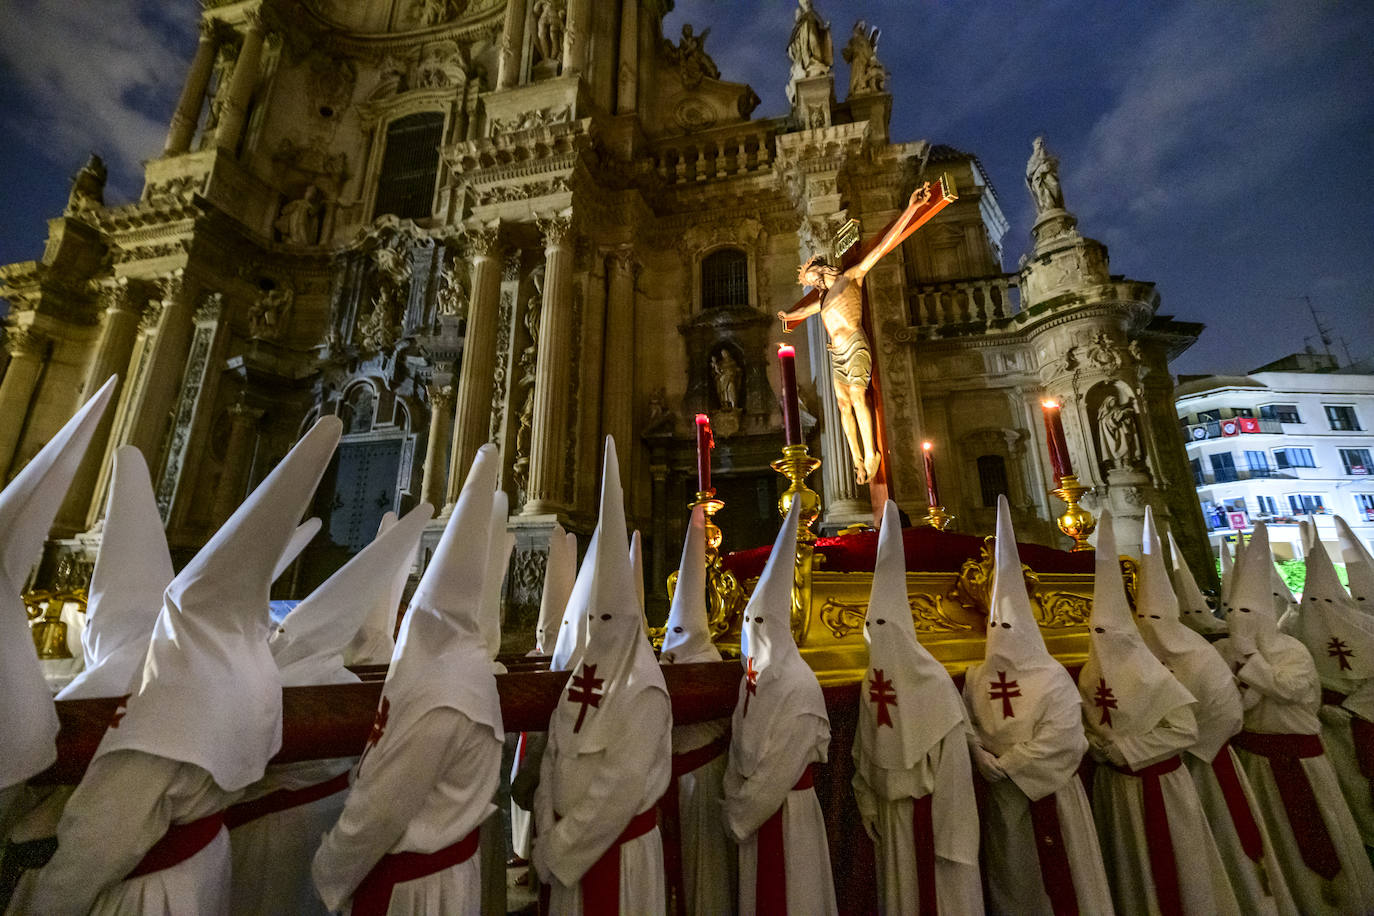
(791, 416)
(1058, 445)
(932, 490)
(705, 442)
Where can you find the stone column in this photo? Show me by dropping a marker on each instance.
(27, 349)
(578, 24)
(432, 488)
(472, 417)
(238, 452)
(241, 85)
(627, 89)
(162, 376)
(187, 115)
(512, 45)
(118, 332)
(549, 434)
(618, 370)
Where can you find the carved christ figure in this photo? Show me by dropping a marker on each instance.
(840, 305)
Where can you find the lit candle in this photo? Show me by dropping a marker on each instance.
(705, 442)
(791, 416)
(932, 490)
(1059, 446)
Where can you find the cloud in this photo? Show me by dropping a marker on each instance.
(100, 77)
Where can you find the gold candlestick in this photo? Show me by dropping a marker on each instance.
(939, 519)
(796, 464)
(725, 599)
(709, 507)
(1076, 522)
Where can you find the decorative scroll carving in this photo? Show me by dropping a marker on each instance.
(929, 614)
(527, 570)
(193, 382)
(498, 388)
(555, 229)
(531, 120)
(973, 589)
(1063, 609)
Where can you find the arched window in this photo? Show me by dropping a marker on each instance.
(725, 279)
(410, 165)
(992, 478)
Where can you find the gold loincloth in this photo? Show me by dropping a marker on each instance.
(852, 364)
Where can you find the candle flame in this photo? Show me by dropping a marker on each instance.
(927, 445)
(1050, 405)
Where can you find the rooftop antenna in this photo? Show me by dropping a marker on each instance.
(1323, 332)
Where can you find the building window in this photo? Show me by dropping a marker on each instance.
(1258, 463)
(1291, 457)
(1196, 465)
(1213, 415)
(1364, 505)
(1242, 412)
(410, 165)
(1357, 461)
(1284, 413)
(725, 279)
(1342, 418)
(1224, 467)
(1267, 506)
(1305, 504)
(992, 478)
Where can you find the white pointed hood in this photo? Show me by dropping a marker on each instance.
(308, 646)
(1192, 606)
(1014, 642)
(777, 685)
(500, 543)
(1359, 566)
(567, 650)
(1340, 638)
(1252, 616)
(304, 534)
(375, 640)
(617, 661)
(210, 693)
(687, 635)
(1228, 570)
(1307, 530)
(441, 656)
(559, 573)
(1125, 689)
(637, 572)
(907, 702)
(133, 569)
(27, 509)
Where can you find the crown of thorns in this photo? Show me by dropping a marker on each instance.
(814, 261)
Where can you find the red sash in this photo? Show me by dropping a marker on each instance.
(373, 896)
(601, 883)
(671, 822)
(1361, 736)
(770, 868)
(923, 836)
(1055, 872)
(1285, 753)
(179, 843)
(1242, 818)
(1158, 841)
(281, 800)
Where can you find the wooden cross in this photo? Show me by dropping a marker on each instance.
(751, 683)
(585, 689)
(880, 692)
(1008, 689)
(1104, 700)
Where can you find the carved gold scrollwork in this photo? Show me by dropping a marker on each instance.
(929, 614)
(973, 589)
(1130, 572)
(1063, 609)
(49, 631)
(841, 619)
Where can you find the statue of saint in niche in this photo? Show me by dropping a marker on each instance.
(1116, 428)
(727, 375)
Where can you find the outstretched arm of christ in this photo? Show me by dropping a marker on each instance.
(895, 234)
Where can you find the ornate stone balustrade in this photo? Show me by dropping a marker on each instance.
(719, 154)
(965, 306)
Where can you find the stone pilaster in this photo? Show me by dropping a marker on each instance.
(627, 74)
(618, 371)
(512, 44)
(472, 416)
(243, 433)
(27, 349)
(187, 114)
(196, 381)
(578, 24)
(241, 85)
(162, 375)
(432, 487)
(548, 440)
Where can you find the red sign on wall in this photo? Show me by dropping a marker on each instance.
(1230, 428)
(1248, 424)
(1237, 520)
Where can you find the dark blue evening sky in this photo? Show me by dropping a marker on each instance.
(1222, 150)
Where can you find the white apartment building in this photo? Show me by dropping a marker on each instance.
(1292, 438)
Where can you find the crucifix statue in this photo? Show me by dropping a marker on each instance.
(837, 295)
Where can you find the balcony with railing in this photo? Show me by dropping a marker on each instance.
(1212, 429)
(964, 306)
(1233, 475)
(725, 153)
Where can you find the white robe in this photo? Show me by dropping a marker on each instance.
(1044, 764)
(271, 854)
(422, 791)
(709, 858)
(1119, 810)
(752, 801)
(595, 796)
(521, 821)
(1281, 694)
(1340, 748)
(122, 807)
(888, 802)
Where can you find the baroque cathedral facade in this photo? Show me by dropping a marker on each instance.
(535, 223)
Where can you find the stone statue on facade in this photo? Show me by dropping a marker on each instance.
(809, 46)
(452, 299)
(299, 219)
(727, 375)
(436, 12)
(548, 29)
(1118, 433)
(269, 313)
(1042, 178)
(691, 57)
(88, 187)
(866, 73)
